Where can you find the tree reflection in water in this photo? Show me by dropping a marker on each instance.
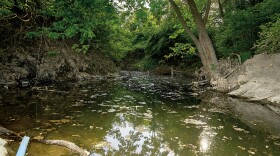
(127, 138)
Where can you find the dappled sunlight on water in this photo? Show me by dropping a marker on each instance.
(132, 117)
(206, 137)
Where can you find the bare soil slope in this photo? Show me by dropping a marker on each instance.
(56, 61)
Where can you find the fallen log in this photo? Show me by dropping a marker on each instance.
(70, 145)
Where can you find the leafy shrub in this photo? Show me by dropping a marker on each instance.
(158, 45)
(170, 45)
(52, 53)
(269, 38)
(245, 56)
(81, 48)
(146, 63)
(182, 50)
(241, 27)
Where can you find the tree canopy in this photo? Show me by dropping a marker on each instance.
(155, 32)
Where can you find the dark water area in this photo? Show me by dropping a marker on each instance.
(133, 116)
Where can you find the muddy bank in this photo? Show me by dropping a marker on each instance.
(52, 62)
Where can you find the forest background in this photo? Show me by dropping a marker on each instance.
(133, 35)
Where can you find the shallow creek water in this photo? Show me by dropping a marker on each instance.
(137, 116)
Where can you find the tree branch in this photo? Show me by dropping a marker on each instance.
(182, 21)
(221, 9)
(196, 15)
(206, 13)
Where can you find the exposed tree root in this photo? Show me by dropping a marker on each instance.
(227, 68)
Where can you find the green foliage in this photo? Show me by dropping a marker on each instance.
(52, 53)
(158, 9)
(213, 66)
(44, 31)
(241, 27)
(269, 41)
(158, 45)
(146, 63)
(246, 55)
(141, 15)
(135, 34)
(81, 48)
(120, 43)
(233, 5)
(148, 32)
(139, 40)
(79, 19)
(4, 8)
(91, 24)
(238, 34)
(170, 44)
(183, 50)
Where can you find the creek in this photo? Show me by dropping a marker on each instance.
(138, 115)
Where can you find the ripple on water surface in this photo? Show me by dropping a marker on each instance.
(125, 118)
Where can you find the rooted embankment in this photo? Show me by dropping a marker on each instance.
(51, 62)
(259, 80)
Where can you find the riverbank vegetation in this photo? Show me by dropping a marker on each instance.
(134, 34)
(46, 43)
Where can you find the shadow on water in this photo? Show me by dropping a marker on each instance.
(134, 116)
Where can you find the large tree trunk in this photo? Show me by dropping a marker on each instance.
(190, 33)
(204, 38)
(203, 42)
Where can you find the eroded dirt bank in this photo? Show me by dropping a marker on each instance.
(48, 63)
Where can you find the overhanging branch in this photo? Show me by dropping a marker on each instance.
(182, 21)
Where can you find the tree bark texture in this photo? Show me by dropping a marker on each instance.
(203, 42)
(207, 11)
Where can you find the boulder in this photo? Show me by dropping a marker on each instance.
(260, 79)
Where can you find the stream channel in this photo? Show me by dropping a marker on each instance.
(132, 116)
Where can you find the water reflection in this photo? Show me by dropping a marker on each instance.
(206, 139)
(204, 145)
(130, 138)
(116, 119)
